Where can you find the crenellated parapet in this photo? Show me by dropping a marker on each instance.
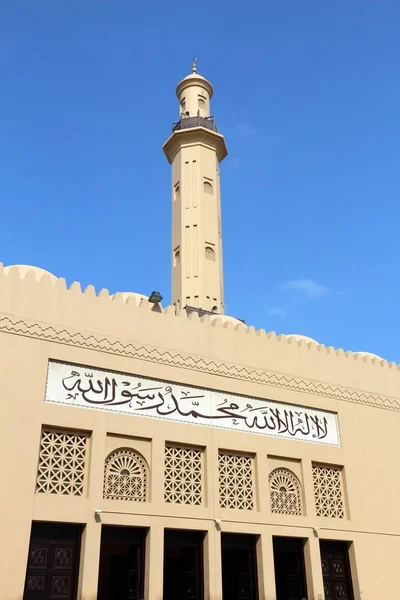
(36, 304)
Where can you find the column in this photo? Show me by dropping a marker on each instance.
(90, 557)
(265, 566)
(212, 564)
(154, 561)
(312, 558)
(91, 539)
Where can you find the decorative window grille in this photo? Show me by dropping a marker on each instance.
(183, 475)
(208, 188)
(210, 254)
(235, 481)
(61, 468)
(125, 476)
(285, 492)
(328, 492)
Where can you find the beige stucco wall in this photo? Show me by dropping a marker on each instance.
(42, 321)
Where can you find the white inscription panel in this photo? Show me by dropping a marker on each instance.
(75, 385)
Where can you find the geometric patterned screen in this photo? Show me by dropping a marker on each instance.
(235, 481)
(183, 475)
(210, 254)
(328, 492)
(208, 188)
(284, 492)
(61, 468)
(125, 476)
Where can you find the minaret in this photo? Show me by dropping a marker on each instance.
(195, 150)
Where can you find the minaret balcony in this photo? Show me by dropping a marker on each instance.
(197, 121)
(195, 130)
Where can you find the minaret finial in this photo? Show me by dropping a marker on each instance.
(194, 65)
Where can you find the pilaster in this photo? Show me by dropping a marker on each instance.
(154, 561)
(312, 558)
(265, 566)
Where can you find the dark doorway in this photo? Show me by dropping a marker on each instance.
(183, 565)
(290, 579)
(53, 562)
(121, 571)
(239, 567)
(336, 570)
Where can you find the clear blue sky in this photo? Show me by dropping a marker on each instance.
(307, 94)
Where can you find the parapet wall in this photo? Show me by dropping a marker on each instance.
(37, 305)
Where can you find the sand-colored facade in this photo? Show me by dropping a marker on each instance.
(346, 490)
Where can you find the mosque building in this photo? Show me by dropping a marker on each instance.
(175, 453)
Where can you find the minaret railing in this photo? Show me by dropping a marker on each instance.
(197, 121)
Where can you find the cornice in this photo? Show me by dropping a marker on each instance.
(195, 135)
(120, 347)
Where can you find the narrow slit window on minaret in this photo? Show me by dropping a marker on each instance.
(202, 102)
(183, 105)
(177, 256)
(177, 192)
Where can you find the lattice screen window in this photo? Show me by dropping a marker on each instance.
(208, 188)
(61, 468)
(183, 475)
(125, 476)
(235, 481)
(284, 492)
(328, 491)
(210, 254)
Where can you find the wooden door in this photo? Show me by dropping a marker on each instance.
(121, 570)
(336, 570)
(239, 567)
(290, 579)
(183, 565)
(53, 561)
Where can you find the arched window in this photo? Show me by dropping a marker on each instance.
(285, 492)
(210, 254)
(177, 257)
(202, 102)
(177, 192)
(125, 476)
(208, 188)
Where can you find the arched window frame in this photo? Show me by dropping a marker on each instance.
(285, 492)
(209, 253)
(208, 187)
(126, 476)
(177, 256)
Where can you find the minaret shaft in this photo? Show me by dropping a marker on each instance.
(197, 276)
(194, 151)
